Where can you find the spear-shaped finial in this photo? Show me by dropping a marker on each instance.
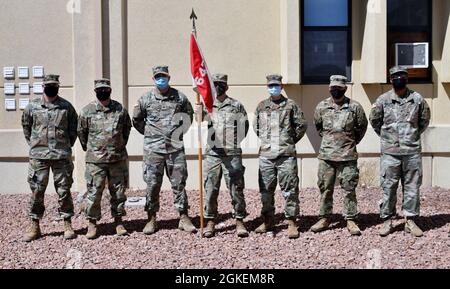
(193, 17)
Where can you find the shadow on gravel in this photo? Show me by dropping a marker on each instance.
(365, 221)
(305, 222)
(109, 229)
(428, 223)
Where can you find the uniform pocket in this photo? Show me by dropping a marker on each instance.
(146, 169)
(340, 121)
(411, 112)
(153, 112)
(113, 127)
(390, 114)
(264, 116)
(89, 180)
(285, 117)
(31, 175)
(350, 177)
(97, 123)
(68, 170)
(61, 120)
(117, 124)
(382, 175)
(350, 122)
(327, 120)
(40, 119)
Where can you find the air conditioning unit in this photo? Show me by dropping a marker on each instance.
(412, 55)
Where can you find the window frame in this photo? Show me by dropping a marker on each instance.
(412, 29)
(348, 29)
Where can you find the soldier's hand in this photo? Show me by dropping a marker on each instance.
(198, 109)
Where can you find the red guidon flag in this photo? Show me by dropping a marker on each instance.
(200, 74)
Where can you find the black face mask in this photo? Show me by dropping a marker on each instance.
(103, 95)
(220, 88)
(399, 83)
(337, 93)
(51, 91)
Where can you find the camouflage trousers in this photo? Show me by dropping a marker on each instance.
(285, 170)
(97, 176)
(38, 176)
(176, 169)
(232, 169)
(408, 170)
(347, 174)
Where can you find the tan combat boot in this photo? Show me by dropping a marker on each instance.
(292, 229)
(151, 227)
(120, 229)
(92, 230)
(34, 232)
(321, 225)
(353, 228)
(386, 228)
(412, 228)
(69, 233)
(241, 231)
(210, 229)
(266, 226)
(186, 224)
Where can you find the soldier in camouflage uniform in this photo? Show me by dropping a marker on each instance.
(227, 127)
(163, 116)
(342, 124)
(103, 130)
(50, 127)
(279, 124)
(399, 117)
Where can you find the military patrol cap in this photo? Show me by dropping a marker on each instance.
(218, 77)
(161, 70)
(103, 82)
(274, 79)
(398, 69)
(51, 79)
(338, 80)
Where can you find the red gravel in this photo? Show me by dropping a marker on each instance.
(171, 248)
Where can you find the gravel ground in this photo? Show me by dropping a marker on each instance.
(171, 248)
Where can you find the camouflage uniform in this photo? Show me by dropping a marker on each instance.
(341, 127)
(103, 133)
(279, 126)
(51, 131)
(400, 121)
(227, 127)
(163, 120)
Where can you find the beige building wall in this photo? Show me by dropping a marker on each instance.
(85, 39)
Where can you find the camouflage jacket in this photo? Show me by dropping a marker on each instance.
(341, 129)
(279, 126)
(400, 121)
(103, 132)
(50, 129)
(163, 120)
(227, 128)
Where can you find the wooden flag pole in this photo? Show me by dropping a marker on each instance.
(193, 17)
(200, 161)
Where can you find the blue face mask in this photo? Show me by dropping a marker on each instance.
(162, 82)
(274, 90)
